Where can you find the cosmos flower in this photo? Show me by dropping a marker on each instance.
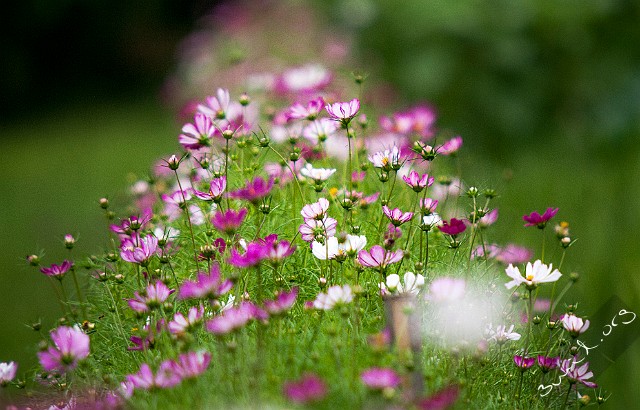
(181, 324)
(57, 271)
(234, 318)
(71, 345)
(343, 111)
(411, 283)
(535, 219)
(548, 363)
(501, 334)
(316, 210)
(191, 365)
(253, 255)
(313, 229)
(276, 251)
(524, 363)
(335, 296)
(210, 286)
(142, 252)
(283, 302)
(228, 221)
(577, 374)
(254, 191)
(154, 296)
(396, 216)
(440, 400)
(387, 159)
(308, 389)
(310, 111)
(451, 146)
(7, 372)
(318, 175)
(380, 378)
(217, 187)
(378, 257)
(454, 227)
(198, 134)
(145, 379)
(309, 77)
(446, 289)
(534, 274)
(428, 205)
(217, 106)
(319, 130)
(418, 182)
(574, 325)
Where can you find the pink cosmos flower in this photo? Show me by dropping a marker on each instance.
(548, 363)
(146, 380)
(453, 227)
(228, 221)
(579, 374)
(535, 219)
(197, 134)
(142, 252)
(282, 303)
(514, 254)
(254, 191)
(343, 111)
(192, 364)
(132, 224)
(488, 219)
(335, 296)
(217, 187)
(396, 216)
(216, 107)
(380, 378)
(7, 372)
(316, 210)
(276, 251)
(534, 274)
(428, 205)
(57, 271)
(309, 388)
(210, 286)
(440, 400)
(181, 324)
(417, 120)
(70, 346)
(313, 229)
(418, 182)
(501, 334)
(310, 111)
(155, 295)
(235, 318)
(254, 254)
(451, 146)
(574, 325)
(378, 257)
(524, 363)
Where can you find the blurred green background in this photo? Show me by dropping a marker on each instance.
(546, 95)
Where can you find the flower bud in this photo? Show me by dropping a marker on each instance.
(244, 99)
(173, 163)
(104, 203)
(227, 134)
(34, 260)
(472, 192)
(574, 276)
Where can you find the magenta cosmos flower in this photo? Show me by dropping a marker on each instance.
(142, 252)
(418, 182)
(378, 257)
(343, 111)
(155, 295)
(210, 286)
(535, 219)
(70, 346)
(255, 253)
(198, 134)
(308, 389)
(440, 400)
(228, 221)
(282, 303)
(454, 227)
(57, 271)
(254, 191)
(547, 363)
(396, 216)
(380, 378)
(276, 251)
(524, 363)
(216, 189)
(577, 374)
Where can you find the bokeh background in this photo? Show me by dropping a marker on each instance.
(546, 95)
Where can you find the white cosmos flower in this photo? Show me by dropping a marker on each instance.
(534, 274)
(317, 174)
(411, 283)
(332, 249)
(501, 334)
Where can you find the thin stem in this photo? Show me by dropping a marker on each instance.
(186, 210)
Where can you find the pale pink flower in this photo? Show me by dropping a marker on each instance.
(140, 253)
(343, 111)
(380, 378)
(418, 182)
(396, 216)
(310, 111)
(378, 257)
(216, 107)
(313, 229)
(217, 187)
(577, 374)
(387, 159)
(501, 334)
(450, 146)
(197, 134)
(319, 130)
(316, 210)
(308, 77)
(192, 364)
(181, 324)
(7, 372)
(574, 325)
(155, 295)
(335, 296)
(446, 289)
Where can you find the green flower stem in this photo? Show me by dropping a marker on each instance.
(79, 292)
(186, 210)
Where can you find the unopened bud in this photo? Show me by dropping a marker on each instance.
(104, 203)
(244, 99)
(34, 260)
(173, 162)
(227, 134)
